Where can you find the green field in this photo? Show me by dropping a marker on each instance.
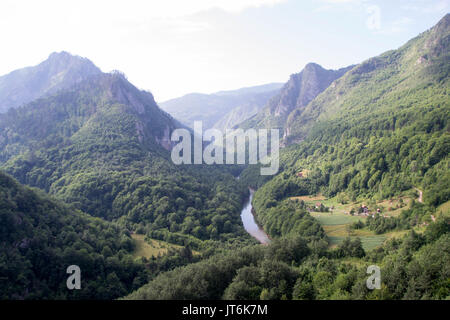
(332, 219)
(336, 223)
(151, 248)
(444, 209)
(336, 227)
(368, 242)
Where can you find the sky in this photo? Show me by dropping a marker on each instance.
(175, 47)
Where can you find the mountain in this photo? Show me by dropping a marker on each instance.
(383, 88)
(220, 110)
(103, 146)
(301, 89)
(102, 102)
(61, 70)
(376, 133)
(378, 138)
(40, 237)
(364, 181)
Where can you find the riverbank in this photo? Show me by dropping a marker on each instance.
(250, 224)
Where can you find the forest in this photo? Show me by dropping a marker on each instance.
(86, 175)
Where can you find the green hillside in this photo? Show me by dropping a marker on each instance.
(103, 146)
(378, 133)
(384, 93)
(40, 238)
(364, 180)
(388, 131)
(295, 95)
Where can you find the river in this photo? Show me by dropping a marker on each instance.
(250, 224)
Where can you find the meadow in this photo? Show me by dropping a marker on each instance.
(336, 222)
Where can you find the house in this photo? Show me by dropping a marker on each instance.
(365, 210)
(300, 174)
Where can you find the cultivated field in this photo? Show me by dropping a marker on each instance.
(336, 223)
(151, 248)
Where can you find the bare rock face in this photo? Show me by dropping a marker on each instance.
(302, 88)
(438, 38)
(294, 96)
(165, 141)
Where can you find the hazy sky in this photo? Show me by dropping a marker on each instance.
(174, 47)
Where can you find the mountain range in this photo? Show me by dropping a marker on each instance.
(295, 95)
(369, 139)
(87, 178)
(221, 110)
(61, 70)
(90, 145)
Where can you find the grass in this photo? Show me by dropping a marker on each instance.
(151, 248)
(368, 242)
(342, 230)
(396, 234)
(336, 223)
(332, 219)
(309, 198)
(336, 226)
(393, 203)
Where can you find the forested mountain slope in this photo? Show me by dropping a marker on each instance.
(61, 70)
(379, 130)
(383, 93)
(40, 238)
(221, 110)
(103, 146)
(415, 267)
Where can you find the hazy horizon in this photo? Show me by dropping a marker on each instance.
(174, 48)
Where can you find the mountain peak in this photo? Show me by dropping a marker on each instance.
(61, 70)
(444, 23)
(312, 66)
(55, 54)
(303, 87)
(370, 86)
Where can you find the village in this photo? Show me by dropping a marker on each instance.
(386, 209)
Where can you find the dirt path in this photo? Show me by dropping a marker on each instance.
(420, 195)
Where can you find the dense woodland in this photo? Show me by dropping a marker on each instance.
(40, 238)
(96, 163)
(415, 267)
(93, 157)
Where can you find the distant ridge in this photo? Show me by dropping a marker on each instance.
(61, 70)
(223, 109)
(301, 89)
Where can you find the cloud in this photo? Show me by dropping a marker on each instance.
(132, 8)
(239, 5)
(440, 6)
(397, 26)
(332, 4)
(342, 1)
(174, 8)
